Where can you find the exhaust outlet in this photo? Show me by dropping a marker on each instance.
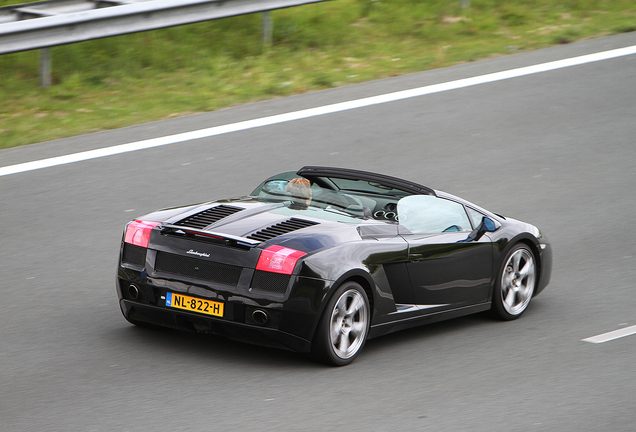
(260, 317)
(133, 291)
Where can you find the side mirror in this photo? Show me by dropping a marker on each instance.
(486, 225)
(275, 186)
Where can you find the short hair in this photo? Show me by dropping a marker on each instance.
(300, 189)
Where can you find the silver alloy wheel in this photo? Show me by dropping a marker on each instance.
(517, 281)
(348, 324)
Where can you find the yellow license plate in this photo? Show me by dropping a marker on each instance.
(193, 304)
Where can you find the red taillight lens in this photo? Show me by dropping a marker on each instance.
(278, 259)
(138, 232)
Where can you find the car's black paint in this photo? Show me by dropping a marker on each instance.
(409, 279)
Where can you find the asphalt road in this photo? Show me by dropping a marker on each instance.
(555, 149)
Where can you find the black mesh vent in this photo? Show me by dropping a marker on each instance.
(135, 255)
(270, 282)
(197, 268)
(279, 229)
(209, 216)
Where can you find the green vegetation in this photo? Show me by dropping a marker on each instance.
(126, 80)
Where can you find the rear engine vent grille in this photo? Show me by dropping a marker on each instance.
(279, 229)
(208, 217)
(135, 255)
(198, 269)
(270, 282)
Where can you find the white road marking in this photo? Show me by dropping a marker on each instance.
(605, 337)
(318, 111)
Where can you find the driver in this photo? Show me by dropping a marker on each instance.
(300, 190)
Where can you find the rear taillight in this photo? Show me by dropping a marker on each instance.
(138, 232)
(278, 259)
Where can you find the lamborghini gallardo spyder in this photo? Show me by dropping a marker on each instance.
(321, 259)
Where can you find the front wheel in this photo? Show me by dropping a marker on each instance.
(343, 327)
(515, 283)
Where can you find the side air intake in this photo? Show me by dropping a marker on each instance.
(281, 228)
(208, 217)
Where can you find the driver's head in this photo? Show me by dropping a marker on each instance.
(300, 190)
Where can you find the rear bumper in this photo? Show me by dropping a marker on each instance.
(136, 312)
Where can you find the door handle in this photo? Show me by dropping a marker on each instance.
(416, 257)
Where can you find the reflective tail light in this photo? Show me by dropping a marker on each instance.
(138, 232)
(278, 259)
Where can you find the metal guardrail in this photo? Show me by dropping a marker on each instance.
(45, 24)
(57, 22)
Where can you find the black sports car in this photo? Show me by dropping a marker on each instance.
(321, 259)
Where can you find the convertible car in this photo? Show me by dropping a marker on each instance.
(322, 259)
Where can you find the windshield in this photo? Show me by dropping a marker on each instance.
(336, 198)
(364, 186)
(428, 214)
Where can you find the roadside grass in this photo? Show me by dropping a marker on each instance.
(126, 80)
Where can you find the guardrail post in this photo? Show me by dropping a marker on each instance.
(45, 67)
(267, 29)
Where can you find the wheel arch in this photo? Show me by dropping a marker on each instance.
(324, 347)
(534, 248)
(362, 278)
(359, 276)
(366, 286)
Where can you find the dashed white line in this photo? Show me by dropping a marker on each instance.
(318, 111)
(616, 334)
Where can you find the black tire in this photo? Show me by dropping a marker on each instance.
(344, 326)
(515, 283)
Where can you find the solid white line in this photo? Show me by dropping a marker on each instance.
(616, 334)
(318, 111)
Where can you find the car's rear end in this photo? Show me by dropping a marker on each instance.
(229, 269)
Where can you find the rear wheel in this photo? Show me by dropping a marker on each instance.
(343, 327)
(515, 284)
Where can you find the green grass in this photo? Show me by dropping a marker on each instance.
(115, 82)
